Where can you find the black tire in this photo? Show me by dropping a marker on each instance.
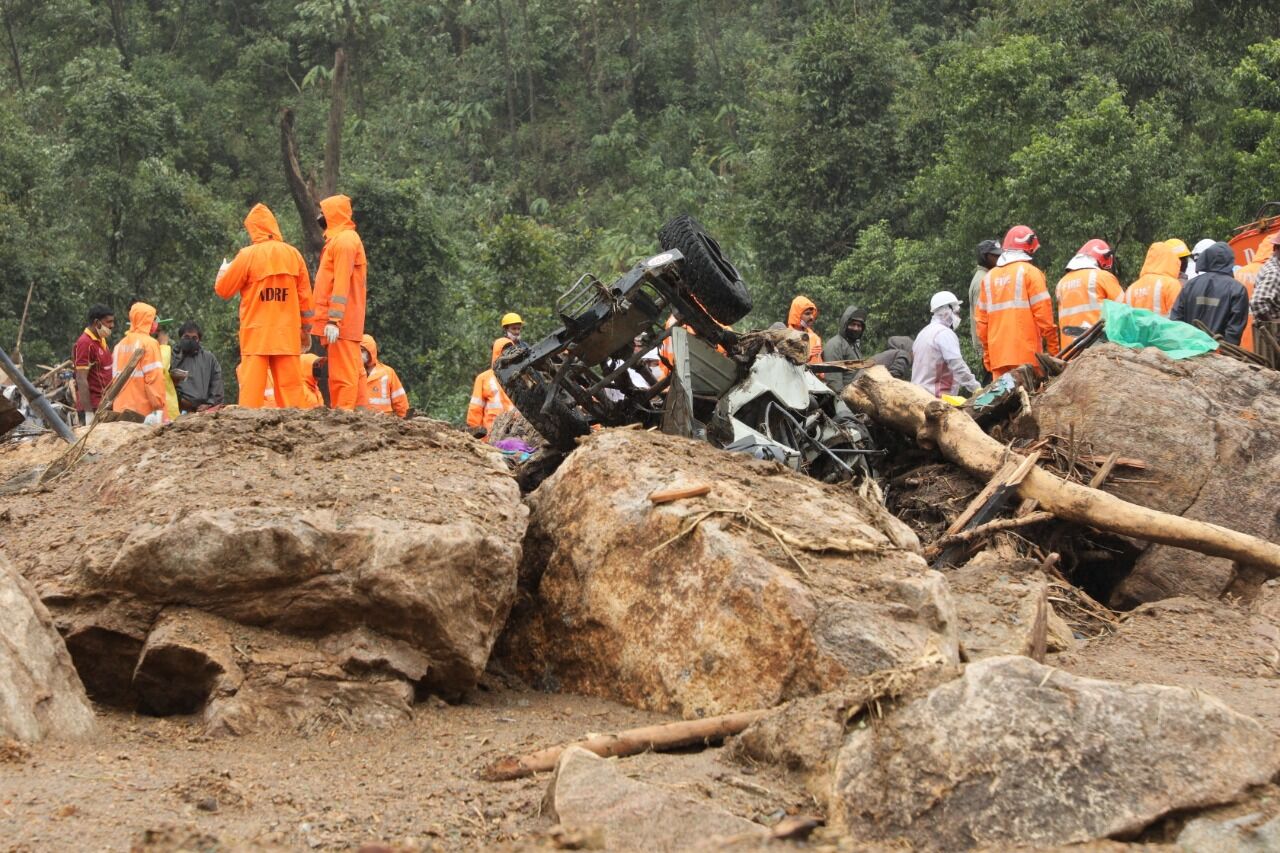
(712, 279)
(561, 425)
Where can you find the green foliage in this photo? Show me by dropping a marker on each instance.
(855, 151)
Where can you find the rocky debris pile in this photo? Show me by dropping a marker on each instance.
(1016, 753)
(1002, 602)
(40, 694)
(1208, 429)
(22, 462)
(771, 586)
(278, 567)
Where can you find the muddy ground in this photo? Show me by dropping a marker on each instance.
(159, 784)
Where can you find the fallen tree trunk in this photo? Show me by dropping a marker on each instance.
(630, 742)
(933, 423)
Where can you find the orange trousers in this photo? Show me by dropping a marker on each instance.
(346, 375)
(286, 378)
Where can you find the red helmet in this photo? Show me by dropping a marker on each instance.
(1021, 237)
(1100, 252)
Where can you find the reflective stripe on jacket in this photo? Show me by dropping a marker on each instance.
(488, 400)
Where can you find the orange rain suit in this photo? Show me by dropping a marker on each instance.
(488, 400)
(1014, 315)
(386, 394)
(311, 396)
(1157, 288)
(798, 306)
(340, 299)
(275, 305)
(143, 392)
(1080, 294)
(1248, 276)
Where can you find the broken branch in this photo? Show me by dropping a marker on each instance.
(913, 411)
(630, 742)
(983, 529)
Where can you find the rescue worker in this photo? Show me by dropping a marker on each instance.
(801, 317)
(1183, 254)
(311, 396)
(166, 361)
(936, 363)
(340, 301)
(91, 358)
(1248, 276)
(488, 400)
(1080, 292)
(512, 326)
(386, 394)
(845, 346)
(1015, 315)
(1214, 297)
(988, 254)
(275, 309)
(143, 391)
(1157, 287)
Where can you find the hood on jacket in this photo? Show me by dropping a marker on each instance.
(1161, 260)
(309, 360)
(261, 224)
(337, 214)
(1217, 258)
(141, 318)
(850, 314)
(901, 342)
(798, 306)
(369, 344)
(498, 346)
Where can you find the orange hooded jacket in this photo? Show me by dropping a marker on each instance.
(143, 392)
(386, 394)
(274, 288)
(1014, 315)
(311, 396)
(1080, 294)
(488, 400)
(798, 307)
(1248, 276)
(340, 280)
(1157, 288)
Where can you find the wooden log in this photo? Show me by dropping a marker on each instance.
(630, 742)
(913, 411)
(679, 493)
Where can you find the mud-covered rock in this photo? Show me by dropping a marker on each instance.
(40, 694)
(773, 586)
(1016, 753)
(588, 793)
(1003, 606)
(388, 548)
(22, 462)
(1208, 429)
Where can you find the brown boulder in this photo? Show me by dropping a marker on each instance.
(1015, 753)
(386, 548)
(40, 694)
(1208, 429)
(812, 586)
(1002, 602)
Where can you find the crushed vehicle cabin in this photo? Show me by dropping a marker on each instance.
(749, 392)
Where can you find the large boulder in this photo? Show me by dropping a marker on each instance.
(243, 561)
(40, 694)
(772, 586)
(1015, 753)
(1002, 602)
(1208, 429)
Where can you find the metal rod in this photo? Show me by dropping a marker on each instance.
(37, 399)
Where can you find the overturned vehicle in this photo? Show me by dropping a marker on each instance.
(654, 348)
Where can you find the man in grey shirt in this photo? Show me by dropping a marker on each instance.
(988, 254)
(195, 371)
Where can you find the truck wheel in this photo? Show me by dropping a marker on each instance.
(712, 280)
(560, 425)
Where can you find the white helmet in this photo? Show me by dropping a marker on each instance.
(942, 298)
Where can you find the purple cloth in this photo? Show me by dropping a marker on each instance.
(514, 445)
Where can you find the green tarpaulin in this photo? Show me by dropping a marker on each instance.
(1137, 328)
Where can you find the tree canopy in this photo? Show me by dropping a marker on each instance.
(853, 150)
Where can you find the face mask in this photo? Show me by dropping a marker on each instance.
(955, 318)
(364, 357)
(190, 346)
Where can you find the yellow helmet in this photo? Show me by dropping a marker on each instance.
(1179, 248)
(511, 317)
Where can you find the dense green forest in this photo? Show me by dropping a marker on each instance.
(853, 150)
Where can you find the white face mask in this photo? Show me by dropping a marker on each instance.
(955, 316)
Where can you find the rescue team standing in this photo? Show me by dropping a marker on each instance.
(284, 323)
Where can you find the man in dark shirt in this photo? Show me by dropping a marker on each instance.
(196, 371)
(1214, 297)
(91, 357)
